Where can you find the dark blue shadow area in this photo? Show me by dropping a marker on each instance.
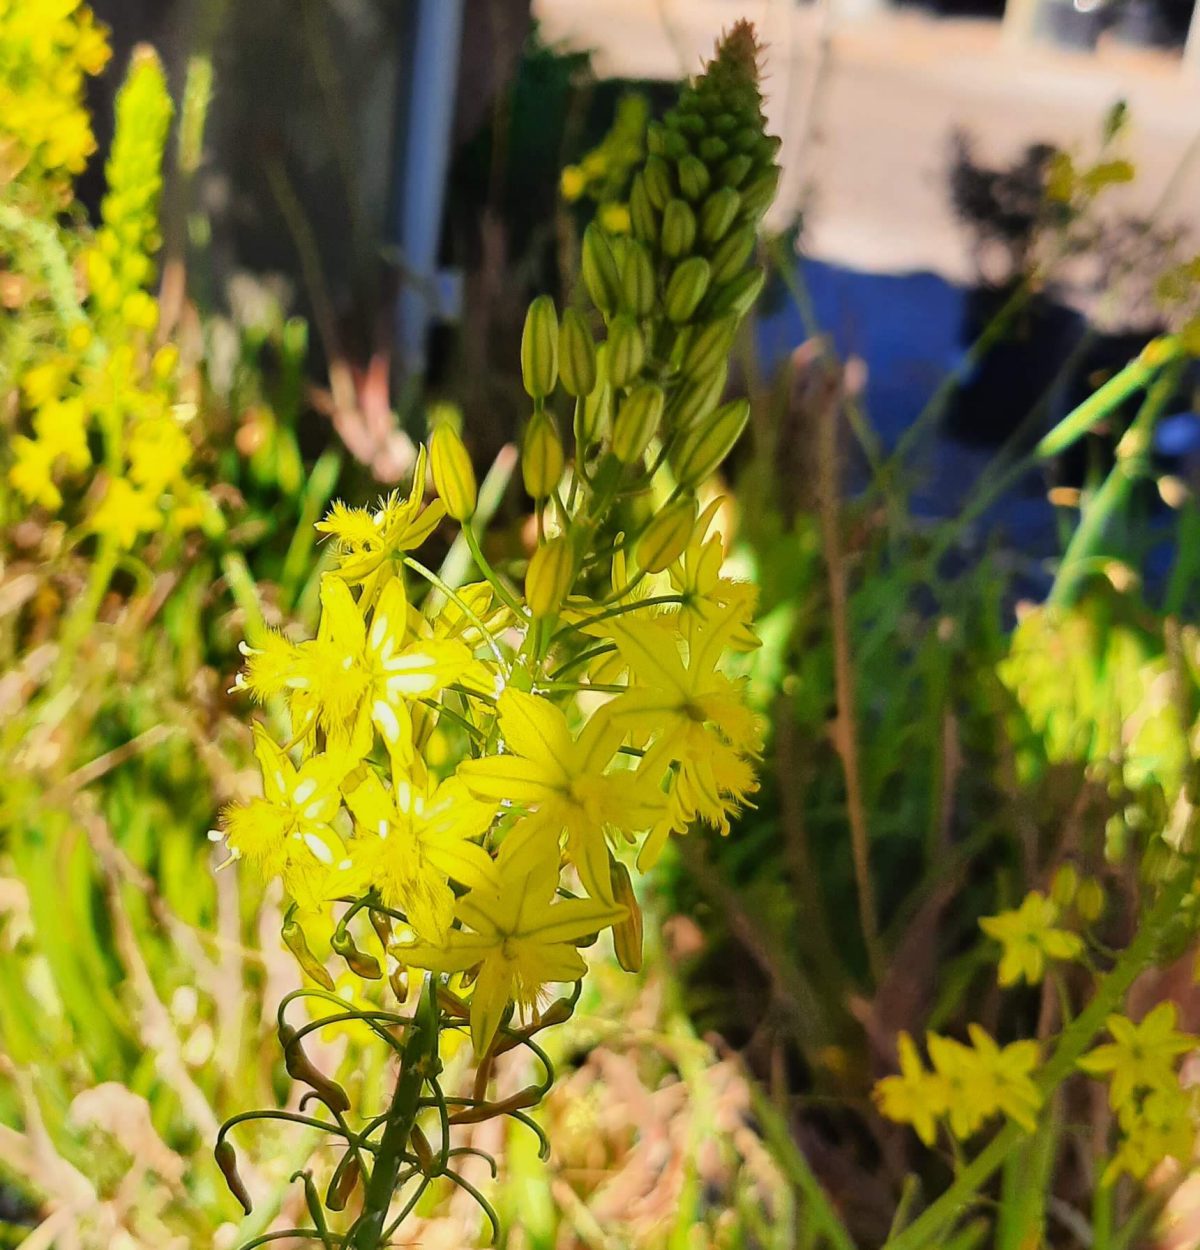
(913, 331)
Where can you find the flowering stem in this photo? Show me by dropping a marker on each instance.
(930, 1227)
(506, 595)
(416, 1066)
(81, 620)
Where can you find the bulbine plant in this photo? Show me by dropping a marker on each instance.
(464, 767)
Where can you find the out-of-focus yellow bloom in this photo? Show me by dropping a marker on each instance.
(1029, 938)
(1140, 1056)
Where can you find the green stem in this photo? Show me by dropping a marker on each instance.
(1132, 458)
(507, 597)
(417, 1066)
(79, 624)
(931, 1225)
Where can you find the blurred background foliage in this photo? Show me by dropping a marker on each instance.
(938, 747)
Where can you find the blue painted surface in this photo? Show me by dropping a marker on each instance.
(910, 329)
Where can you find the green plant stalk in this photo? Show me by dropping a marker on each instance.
(1132, 456)
(418, 1064)
(1139, 373)
(930, 1226)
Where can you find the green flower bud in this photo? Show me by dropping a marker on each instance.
(732, 254)
(637, 281)
(637, 421)
(687, 288)
(659, 183)
(542, 456)
(627, 934)
(735, 170)
(664, 539)
(678, 229)
(711, 149)
(709, 346)
(1064, 885)
(453, 473)
(718, 214)
(737, 296)
(693, 177)
(600, 271)
(655, 137)
(548, 578)
(697, 397)
(745, 139)
(539, 348)
(642, 218)
(626, 350)
(576, 354)
(1089, 900)
(757, 195)
(593, 416)
(674, 146)
(701, 449)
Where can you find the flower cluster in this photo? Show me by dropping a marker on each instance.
(1156, 1113)
(48, 49)
(98, 371)
(965, 1086)
(467, 765)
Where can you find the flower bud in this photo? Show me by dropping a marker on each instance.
(627, 933)
(711, 149)
(718, 213)
(1089, 900)
(757, 197)
(576, 354)
(701, 448)
(600, 270)
(626, 350)
(732, 254)
(1064, 885)
(709, 346)
(663, 541)
(453, 473)
(738, 295)
(539, 348)
(637, 281)
(541, 456)
(549, 576)
(686, 288)
(594, 415)
(659, 184)
(643, 219)
(735, 170)
(678, 229)
(637, 422)
(301, 1068)
(693, 177)
(697, 397)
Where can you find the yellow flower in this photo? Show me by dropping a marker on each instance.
(126, 513)
(1029, 938)
(916, 1096)
(413, 840)
(363, 540)
(562, 783)
(289, 831)
(968, 1099)
(519, 939)
(1162, 1127)
(1140, 1056)
(351, 677)
(1004, 1075)
(697, 717)
(32, 472)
